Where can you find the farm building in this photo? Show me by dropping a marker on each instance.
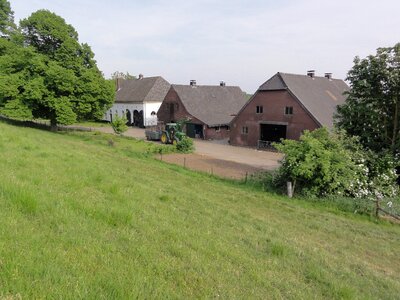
(138, 100)
(285, 106)
(209, 109)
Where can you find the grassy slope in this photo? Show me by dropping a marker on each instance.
(81, 219)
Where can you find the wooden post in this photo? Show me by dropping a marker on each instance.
(377, 207)
(212, 171)
(160, 155)
(184, 162)
(289, 189)
(245, 179)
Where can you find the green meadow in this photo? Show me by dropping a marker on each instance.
(82, 217)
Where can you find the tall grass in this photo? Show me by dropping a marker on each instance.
(82, 219)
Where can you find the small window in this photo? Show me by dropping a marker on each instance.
(153, 113)
(259, 109)
(245, 130)
(289, 110)
(217, 129)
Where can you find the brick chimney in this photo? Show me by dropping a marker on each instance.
(328, 75)
(222, 83)
(311, 73)
(192, 82)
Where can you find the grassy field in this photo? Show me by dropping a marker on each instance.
(82, 219)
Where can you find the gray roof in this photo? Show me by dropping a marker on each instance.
(318, 95)
(213, 105)
(148, 89)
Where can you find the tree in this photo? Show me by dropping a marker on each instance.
(7, 25)
(122, 75)
(372, 108)
(52, 75)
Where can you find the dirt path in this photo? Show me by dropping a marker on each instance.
(222, 168)
(216, 157)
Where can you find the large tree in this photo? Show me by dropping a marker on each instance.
(372, 108)
(7, 25)
(52, 76)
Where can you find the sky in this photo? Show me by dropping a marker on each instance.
(241, 42)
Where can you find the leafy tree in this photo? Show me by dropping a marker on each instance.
(122, 75)
(372, 108)
(7, 25)
(53, 75)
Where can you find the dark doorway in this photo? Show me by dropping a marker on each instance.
(138, 118)
(194, 130)
(128, 117)
(272, 132)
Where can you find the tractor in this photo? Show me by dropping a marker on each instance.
(172, 133)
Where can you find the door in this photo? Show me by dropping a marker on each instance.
(272, 132)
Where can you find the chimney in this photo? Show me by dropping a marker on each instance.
(328, 75)
(141, 76)
(222, 83)
(192, 82)
(311, 73)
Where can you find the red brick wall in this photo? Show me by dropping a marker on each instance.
(274, 103)
(213, 134)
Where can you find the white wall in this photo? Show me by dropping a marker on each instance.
(149, 119)
(120, 110)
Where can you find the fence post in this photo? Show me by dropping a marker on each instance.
(245, 179)
(289, 189)
(184, 162)
(377, 207)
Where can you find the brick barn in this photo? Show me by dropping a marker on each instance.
(209, 109)
(285, 106)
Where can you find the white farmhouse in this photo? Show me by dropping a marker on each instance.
(139, 100)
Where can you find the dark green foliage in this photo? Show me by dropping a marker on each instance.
(372, 108)
(119, 125)
(52, 76)
(7, 25)
(317, 164)
(185, 145)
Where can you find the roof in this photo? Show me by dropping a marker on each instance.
(213, 105)
(148, 89)
(318, 95)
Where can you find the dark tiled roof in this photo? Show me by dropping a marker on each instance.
(318, 95)
(148, 89)
(213, 105)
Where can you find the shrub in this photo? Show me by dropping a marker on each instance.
(185, 145)
(119, 125)
(323, 163)
(318, 164)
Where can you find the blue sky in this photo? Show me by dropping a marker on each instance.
(241, 42)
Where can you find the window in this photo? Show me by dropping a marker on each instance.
(289, 110)
(153, 113)
(245, 130)
(217, 129)
(259, 109)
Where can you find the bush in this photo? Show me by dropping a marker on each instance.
(185, 145)
(323, 163)
(119, 125)
(318, 164)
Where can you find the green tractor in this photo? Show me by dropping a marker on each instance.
(172, 133)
